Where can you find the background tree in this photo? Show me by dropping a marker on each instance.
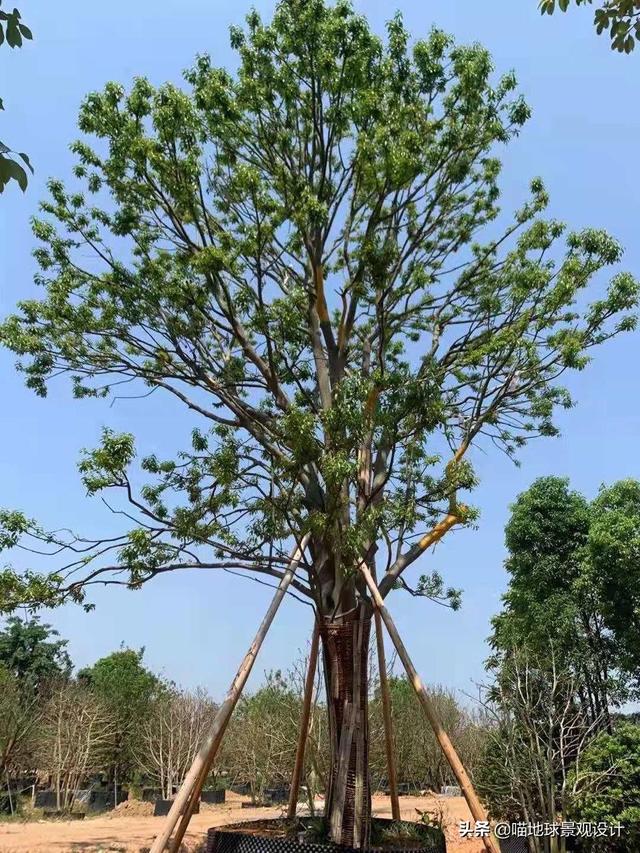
(614, 551)
(419, 759)
(565, 657)
(12, 33)
(316, 757)
(573, 576)
(619, 18)
(19, 719)
(263, 735)
(126, 688)
(172, 733)
(298, 254)
(552, 596)
(31, 652)
(607, 782)
(538, 737)
(75, 736)
(31, 655)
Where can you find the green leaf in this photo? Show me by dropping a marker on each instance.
(14, 39)
(24, 157)
(9, 169)
(26, 32)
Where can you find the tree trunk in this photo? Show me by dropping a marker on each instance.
(346, 657)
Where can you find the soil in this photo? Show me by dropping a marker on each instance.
(132, 808)
(130, 829)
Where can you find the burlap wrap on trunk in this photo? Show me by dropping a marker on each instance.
(345, 655)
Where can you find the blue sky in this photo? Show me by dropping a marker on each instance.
(582, 139)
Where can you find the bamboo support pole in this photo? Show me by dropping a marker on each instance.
(304, 721)
(386, 714)
(386, 710)
(191, 787)
(475, 806)
(9, 792)
(185, 818)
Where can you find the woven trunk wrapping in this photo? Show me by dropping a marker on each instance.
(346, 658)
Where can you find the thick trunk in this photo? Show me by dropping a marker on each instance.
(346, 657)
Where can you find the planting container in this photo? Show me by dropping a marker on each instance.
(162, 808)
(262, 837)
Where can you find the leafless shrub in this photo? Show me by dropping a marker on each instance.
(173, 734)
(76, 733)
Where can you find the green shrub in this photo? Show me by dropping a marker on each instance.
(608, 787)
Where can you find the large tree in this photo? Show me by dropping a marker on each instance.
(614, 551)
(307, 255)
(126, 689)
(573, 581)
(552, 604)
(32, 652)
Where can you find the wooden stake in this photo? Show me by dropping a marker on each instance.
(194, 796)
(9, 792)
(191, 788)
(386, 708)
(386, 713)
(304, 721)
(475, 806)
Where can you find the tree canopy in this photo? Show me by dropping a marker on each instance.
(613, 760)
(614, 543)
(619, 18)
(573, 576)
(32, 653)
(308, 255)
(126, 689)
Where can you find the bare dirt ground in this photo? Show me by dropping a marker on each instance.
(128, 832)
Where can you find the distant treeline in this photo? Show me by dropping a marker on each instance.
(118, 724)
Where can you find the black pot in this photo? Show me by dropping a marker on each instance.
(213, 797)
(521, 845)
(276, 795)
(150, 795)
(65, 815)
(122, 795)
(101, 801)
(8, 803)
(236, 839)
(45, 799)
(514, 845)
(162, 807)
